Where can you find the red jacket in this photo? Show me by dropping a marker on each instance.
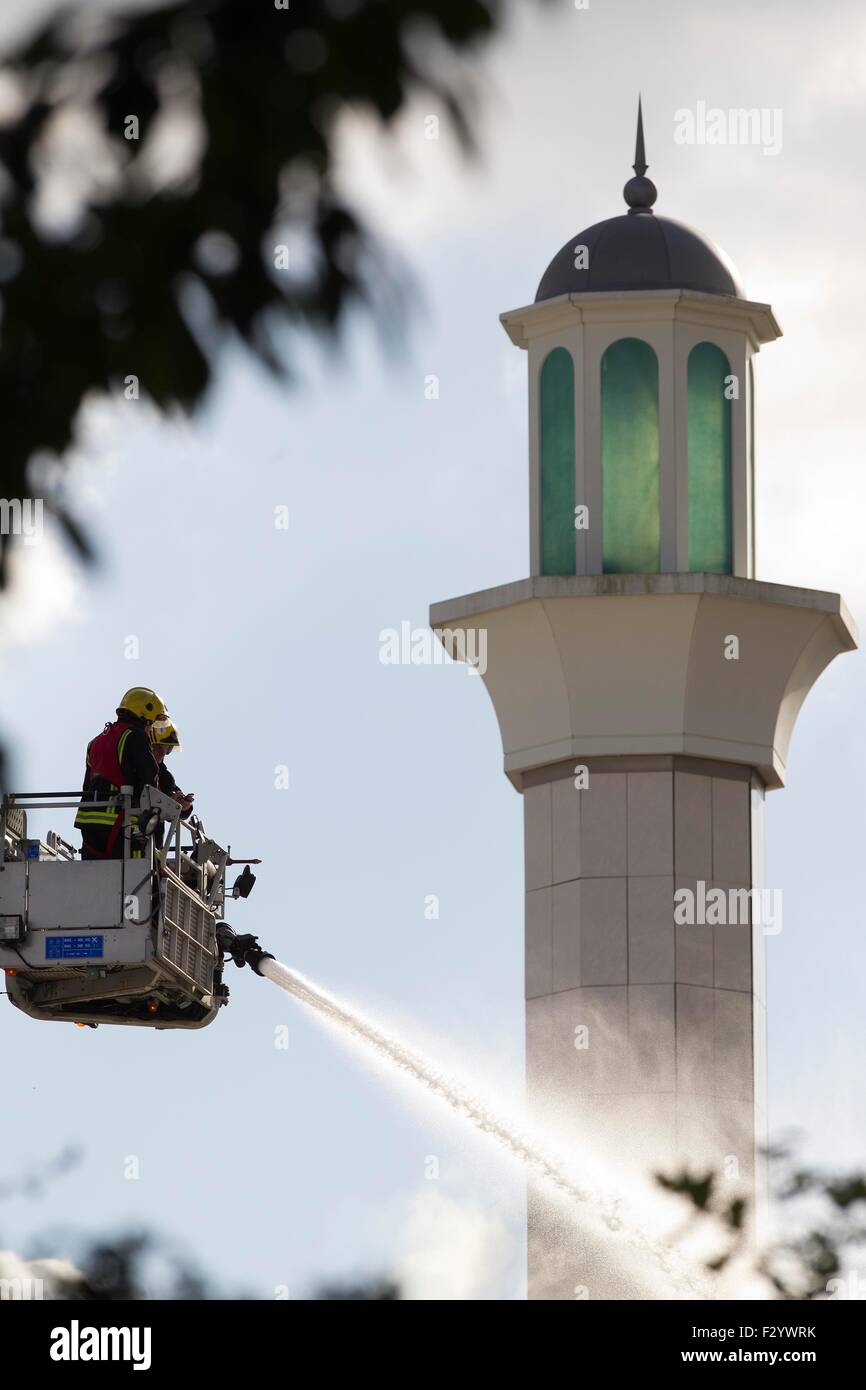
(104, 753)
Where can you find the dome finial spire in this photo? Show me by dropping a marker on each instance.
(640, 165)
(640, 192)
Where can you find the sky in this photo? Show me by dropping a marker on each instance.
(277, 1168)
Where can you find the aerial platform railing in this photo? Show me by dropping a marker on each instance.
(153, 829)
(14, 842)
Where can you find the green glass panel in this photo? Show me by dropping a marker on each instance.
(710, 528)
(557, 464)
(630, 455)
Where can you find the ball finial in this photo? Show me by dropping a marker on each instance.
(640, 193)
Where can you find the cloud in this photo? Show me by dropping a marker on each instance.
(36, 1279)
(450, 1249)
(43, 593)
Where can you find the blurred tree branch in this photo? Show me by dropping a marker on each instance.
(110, 233)
(827, 1230)
(34, 1182)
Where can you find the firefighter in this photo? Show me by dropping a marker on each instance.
(164, 737)
(122, 755)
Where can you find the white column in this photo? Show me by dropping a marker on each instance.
(640, 1033)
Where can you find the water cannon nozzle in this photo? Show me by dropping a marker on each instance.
(244, 949)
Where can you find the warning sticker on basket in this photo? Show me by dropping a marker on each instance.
(73, 947)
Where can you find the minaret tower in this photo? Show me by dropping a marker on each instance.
(646, 685)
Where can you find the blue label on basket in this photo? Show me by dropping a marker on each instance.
(73, 947)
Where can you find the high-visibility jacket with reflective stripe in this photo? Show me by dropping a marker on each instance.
(104, 762)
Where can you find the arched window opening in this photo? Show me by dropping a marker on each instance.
(556, 414)
(630, 458)
(709, 445)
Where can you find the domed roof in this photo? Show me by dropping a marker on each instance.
(640, 251)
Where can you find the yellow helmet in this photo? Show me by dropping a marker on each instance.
(144, 703)
(164, 733)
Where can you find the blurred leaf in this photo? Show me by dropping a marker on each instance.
(104, 298)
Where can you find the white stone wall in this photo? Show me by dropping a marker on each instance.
(671, 1067)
